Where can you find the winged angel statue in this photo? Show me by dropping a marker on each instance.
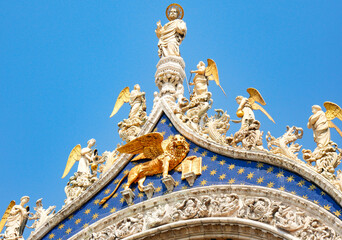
(15, 219)
(327, 155)
(129, 128)
(200, 99)
(165, 155)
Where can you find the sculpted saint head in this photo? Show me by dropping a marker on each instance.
(239, 99)
(91, 142)
(137, 87)
(316, 108)
(173, 14)
(24, 200)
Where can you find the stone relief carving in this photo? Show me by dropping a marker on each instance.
(261, 209)
(41, 215)
(216, 126)
(284, 145)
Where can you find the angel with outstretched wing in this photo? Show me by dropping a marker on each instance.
(247, 105)
(15, 219)
(83, 155)
(321, 122)
(203, 75)
(135, 98)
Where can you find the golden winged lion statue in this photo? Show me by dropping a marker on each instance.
(165, 155)
(247, 105)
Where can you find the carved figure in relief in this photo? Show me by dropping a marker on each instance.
(338, 181)
(172, 33)
(256, 209)
(15, 219)
(41, 215)
(165, 154)
(216, 126)
(130, 128)
(129, 226)
(316, 230)
(289, 219)
(285, 145)
(247, 105)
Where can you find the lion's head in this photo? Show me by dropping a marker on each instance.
(177, 145)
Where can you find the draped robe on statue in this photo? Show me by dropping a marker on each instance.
(170, 37)
(320, 126)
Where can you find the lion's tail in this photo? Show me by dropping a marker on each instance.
(110, 195)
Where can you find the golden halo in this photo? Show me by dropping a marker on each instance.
(178, 7)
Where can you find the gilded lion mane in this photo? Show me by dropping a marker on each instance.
(177, 145)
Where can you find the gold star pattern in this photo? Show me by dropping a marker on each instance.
(116, 181)
(163, 121)
(322, 193)
(155, 130)
(280, 174)
(68, 230)
(260, 165)
(203, 154)
(222, 162)
(195, 149)
(87, 211)
(249, 162)
(96, 201)
(78, 221)
(270, 184)
(122, 200)
(260, 180)
(126, 171)
(337, 213)
(301, 183)
(107, 191)
(85, 225)
(327, 207)
(61, 226)
(203, 182)
(305, 196)
(223, 176)
(140, 195)
(270, 169)
(71, 217)
(59, 239)
(250, 175)
(213, 172)
(112, 210)
(205, 167)
(176, 183)
(105, 206)
(170, 124)
(95, 216)
(231, 181)
(163, 133)
(241, 171)
(312, 187)
(231, 166)
(315, 201)
(51, 236)
(115, 195)
(184, 187)
(281, 188)
(158, 189)
(294, 192)
(213, 158)
(290, 178)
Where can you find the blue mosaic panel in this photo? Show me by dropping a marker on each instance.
(216, 170)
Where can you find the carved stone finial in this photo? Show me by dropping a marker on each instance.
(169, 183)
(128, 195)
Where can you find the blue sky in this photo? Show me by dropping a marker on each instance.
(63, 63)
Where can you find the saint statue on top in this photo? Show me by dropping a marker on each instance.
(172, 33)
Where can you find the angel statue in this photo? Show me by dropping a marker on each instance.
(320, 122)
(85, 176)
(172, 33)
(129, 128)
(327, 155)
(203, 75)
(41, 215)
(247, 105)
(15, 218)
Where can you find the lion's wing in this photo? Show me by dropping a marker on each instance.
(149, 145)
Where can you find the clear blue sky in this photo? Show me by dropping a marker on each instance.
(63, 63)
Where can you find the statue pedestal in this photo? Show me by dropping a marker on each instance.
(190, 178)
(149, 190)
(128, 195)
(169, 183)
(169, 78)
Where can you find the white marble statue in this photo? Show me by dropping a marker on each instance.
(319, 124)
(200, 81)
(172, 33)
(16, 220)
(41, 215)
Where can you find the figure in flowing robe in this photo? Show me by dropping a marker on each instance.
(320, 126)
